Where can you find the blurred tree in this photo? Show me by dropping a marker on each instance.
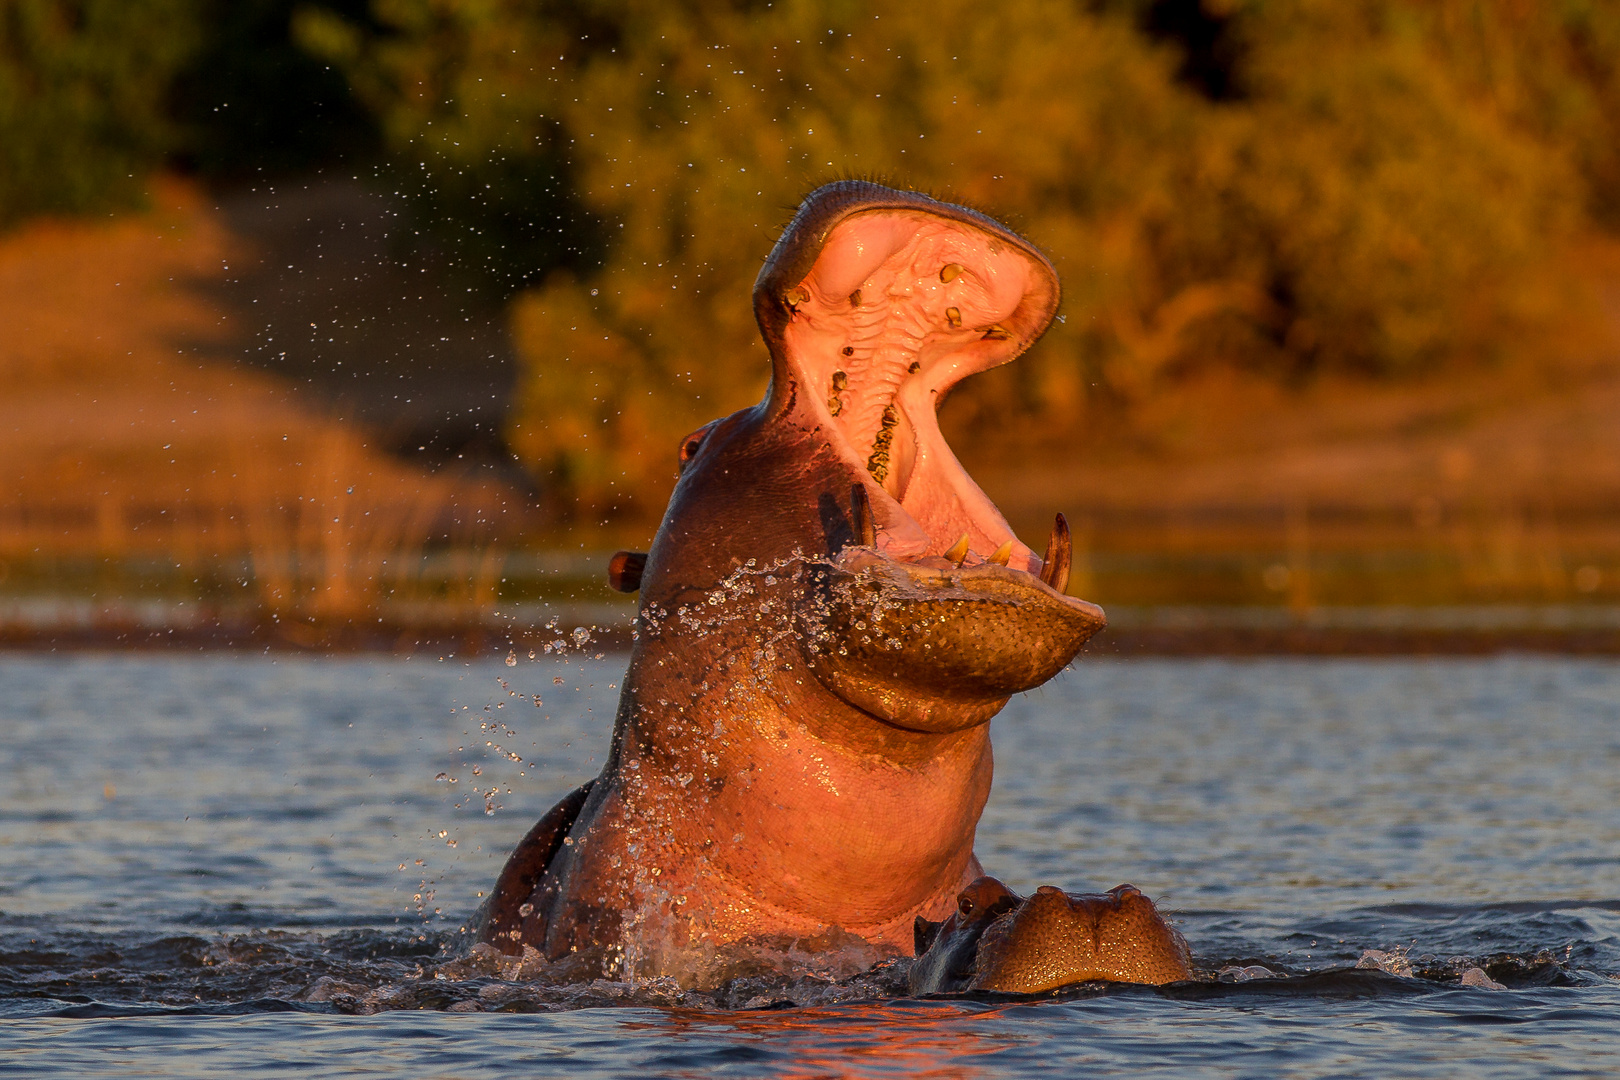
(693, 129)
(468, 125)
(83, 99)
(1402, 214)
(1293, 184)
(1550, 69)
(1286, 185)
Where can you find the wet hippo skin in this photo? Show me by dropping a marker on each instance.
(830, 614)
(997, 940)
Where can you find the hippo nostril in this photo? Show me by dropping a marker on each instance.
(1049, 890)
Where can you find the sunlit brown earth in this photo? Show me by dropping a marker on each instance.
(111, 370)
(128, 428)
(1535, 437)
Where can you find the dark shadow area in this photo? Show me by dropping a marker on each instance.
(374, 328)
(251, 103)
(504, 225)
(1209, 50)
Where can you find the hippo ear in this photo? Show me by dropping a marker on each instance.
(923, 933)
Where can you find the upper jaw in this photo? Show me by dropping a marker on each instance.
(874, 304)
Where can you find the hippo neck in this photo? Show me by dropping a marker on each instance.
(822, 793)
(732, 763)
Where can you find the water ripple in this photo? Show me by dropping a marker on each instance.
(237, 865)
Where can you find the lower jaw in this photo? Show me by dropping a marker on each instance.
(957, 563)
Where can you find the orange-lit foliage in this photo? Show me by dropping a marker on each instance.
(1380, 193)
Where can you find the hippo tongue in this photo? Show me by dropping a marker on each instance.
(877, 302)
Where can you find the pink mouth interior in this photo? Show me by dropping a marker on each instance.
(898, 308)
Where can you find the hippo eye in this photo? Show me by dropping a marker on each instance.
(694, 442)
(964, 904)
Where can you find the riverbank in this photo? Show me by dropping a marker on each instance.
(58, 625)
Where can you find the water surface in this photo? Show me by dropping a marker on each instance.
(262, 866)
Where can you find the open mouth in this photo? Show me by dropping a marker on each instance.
(877, 303)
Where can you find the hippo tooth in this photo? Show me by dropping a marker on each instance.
(996, 332)
(1002, 554)
(953, 315)
(949, 272)
(860, 515)
(796, 296)
(1055, 570)
(958, 550)
(882, 443)
(625, 569)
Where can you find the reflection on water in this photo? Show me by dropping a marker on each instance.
(290, 848)
(880, 1040)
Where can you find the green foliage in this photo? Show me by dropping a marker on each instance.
(83, 99)
(95, 94)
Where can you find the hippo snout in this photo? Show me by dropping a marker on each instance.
(998, 941)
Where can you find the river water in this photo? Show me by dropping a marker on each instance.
(260, 866)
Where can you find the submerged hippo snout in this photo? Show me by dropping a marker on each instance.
(999, 941)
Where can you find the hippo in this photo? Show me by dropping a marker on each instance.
(830, 614)
(997, 940)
